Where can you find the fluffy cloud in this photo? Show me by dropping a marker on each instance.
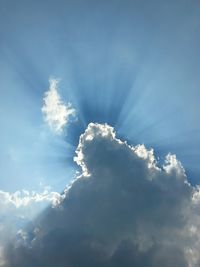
(123, 210)
(56, 113)
(19, 208)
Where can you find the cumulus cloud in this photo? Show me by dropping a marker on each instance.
(56, 113)
(19, 208)
(123, 210)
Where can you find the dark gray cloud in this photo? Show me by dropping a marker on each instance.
(122, 210)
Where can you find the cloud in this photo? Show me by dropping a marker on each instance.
(122, 210)
(20, 208)
(20, 200)
(56, 113)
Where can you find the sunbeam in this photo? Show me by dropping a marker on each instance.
(99, 110)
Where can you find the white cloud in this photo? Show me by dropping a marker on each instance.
(24, 199)
(123, 210)
(56, 113)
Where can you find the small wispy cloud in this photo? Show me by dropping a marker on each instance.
(56, 112)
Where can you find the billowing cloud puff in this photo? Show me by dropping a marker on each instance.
(123, 210)
(19, 208)
(56, 113)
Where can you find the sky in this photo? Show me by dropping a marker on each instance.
(77, 74)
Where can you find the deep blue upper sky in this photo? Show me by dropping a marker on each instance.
(132, 64)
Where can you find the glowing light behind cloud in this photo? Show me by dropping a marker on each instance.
(133, 78)
(133, 213)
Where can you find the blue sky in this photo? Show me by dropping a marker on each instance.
(134, 65)
(66, 65)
